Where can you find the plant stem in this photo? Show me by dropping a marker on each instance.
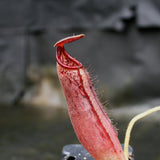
(131, 124)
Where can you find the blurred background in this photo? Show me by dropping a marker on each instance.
(121, 48)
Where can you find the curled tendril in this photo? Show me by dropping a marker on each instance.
(131, 124)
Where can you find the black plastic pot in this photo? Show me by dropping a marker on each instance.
(78, 152)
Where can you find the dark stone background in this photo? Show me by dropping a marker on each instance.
(121, 43)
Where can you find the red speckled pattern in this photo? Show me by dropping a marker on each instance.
(91, 124)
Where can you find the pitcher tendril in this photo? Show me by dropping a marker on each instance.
(131, 124)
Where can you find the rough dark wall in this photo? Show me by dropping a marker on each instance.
(122, 42)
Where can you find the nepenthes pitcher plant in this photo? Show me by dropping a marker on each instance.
(90, 121)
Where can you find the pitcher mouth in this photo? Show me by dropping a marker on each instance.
(63, 58)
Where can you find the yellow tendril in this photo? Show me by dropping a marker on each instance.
(130, 126)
